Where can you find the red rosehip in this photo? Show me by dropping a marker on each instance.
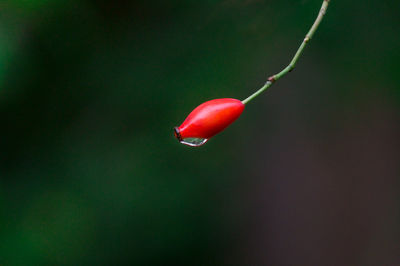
(207, 120)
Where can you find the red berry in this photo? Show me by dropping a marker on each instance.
(207, 120)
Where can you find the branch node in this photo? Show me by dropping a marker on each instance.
(272, 79)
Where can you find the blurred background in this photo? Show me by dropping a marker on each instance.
(90, 173)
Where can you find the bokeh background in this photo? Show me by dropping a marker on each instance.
(90, 173)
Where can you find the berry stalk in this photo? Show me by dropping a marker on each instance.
(271, 80)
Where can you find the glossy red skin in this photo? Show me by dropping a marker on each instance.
(210, 118)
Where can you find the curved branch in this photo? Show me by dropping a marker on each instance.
(296, 57)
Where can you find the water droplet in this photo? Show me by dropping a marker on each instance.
(194, 142)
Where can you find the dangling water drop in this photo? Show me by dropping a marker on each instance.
(194, 142)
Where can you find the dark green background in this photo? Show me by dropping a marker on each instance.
(91, 174)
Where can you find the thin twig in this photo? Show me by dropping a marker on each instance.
(292, 63)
